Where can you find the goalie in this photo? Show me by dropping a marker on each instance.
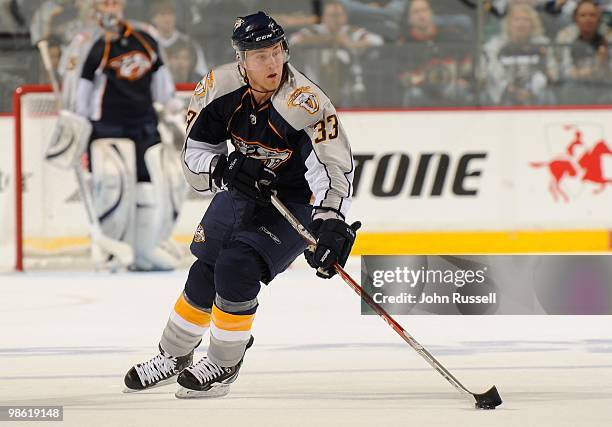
(137, 182)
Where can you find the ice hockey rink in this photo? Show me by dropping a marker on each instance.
(68, 338)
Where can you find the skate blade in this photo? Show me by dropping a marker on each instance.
(171, 380)
(217, 390)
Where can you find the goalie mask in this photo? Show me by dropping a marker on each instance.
(258, 31)
(108, 14)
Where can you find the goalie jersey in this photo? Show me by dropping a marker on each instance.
(120, 79)
(296, 133)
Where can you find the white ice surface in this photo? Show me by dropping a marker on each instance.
(68, 339)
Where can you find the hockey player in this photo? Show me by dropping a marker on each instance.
(121, 78)
(288, 140)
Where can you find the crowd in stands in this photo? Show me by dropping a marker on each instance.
(365, 53)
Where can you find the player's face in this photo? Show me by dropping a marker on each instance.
(264, 67)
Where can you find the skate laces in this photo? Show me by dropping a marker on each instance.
(205, 370)
(158, 368)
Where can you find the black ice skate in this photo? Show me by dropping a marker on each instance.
(156, 372)
(207, 379)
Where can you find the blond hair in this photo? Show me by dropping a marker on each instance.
(537, 30)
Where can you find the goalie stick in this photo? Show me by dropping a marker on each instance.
(120, 250)
(487, 400)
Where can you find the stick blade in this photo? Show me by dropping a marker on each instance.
(490, 399)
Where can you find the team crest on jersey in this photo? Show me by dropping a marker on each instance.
(199, 236)
(271, 157)
(303, 97)
(131, 66)
(205, 84)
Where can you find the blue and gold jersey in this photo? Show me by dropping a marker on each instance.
(296, 133)
(122, 77)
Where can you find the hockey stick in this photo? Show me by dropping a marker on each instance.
(120, 250)
(487, 400)
(43, 48)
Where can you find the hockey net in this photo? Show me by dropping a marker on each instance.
(44, 222)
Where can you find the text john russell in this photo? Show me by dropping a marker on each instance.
(434, 298)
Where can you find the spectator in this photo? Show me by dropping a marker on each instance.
(436, 63)
(339, 46)
(181, 62)
(518, 60)
(553, 13)
(163, 18)
(585, 67)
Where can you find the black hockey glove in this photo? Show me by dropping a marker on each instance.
(335, 239)
(245, 175)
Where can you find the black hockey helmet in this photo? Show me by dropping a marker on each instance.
(257, 31)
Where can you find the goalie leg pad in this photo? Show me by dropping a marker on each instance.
(114, 182)
(150, 218)
(172, 175)
(154, 216)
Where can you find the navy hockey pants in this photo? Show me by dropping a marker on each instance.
(239, 245)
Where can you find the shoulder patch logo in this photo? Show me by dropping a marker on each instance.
(203, 85)
(303, 97)
(199, 236)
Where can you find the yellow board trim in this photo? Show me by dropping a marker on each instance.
(482, 242)
(434, 242)
(56, 243)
